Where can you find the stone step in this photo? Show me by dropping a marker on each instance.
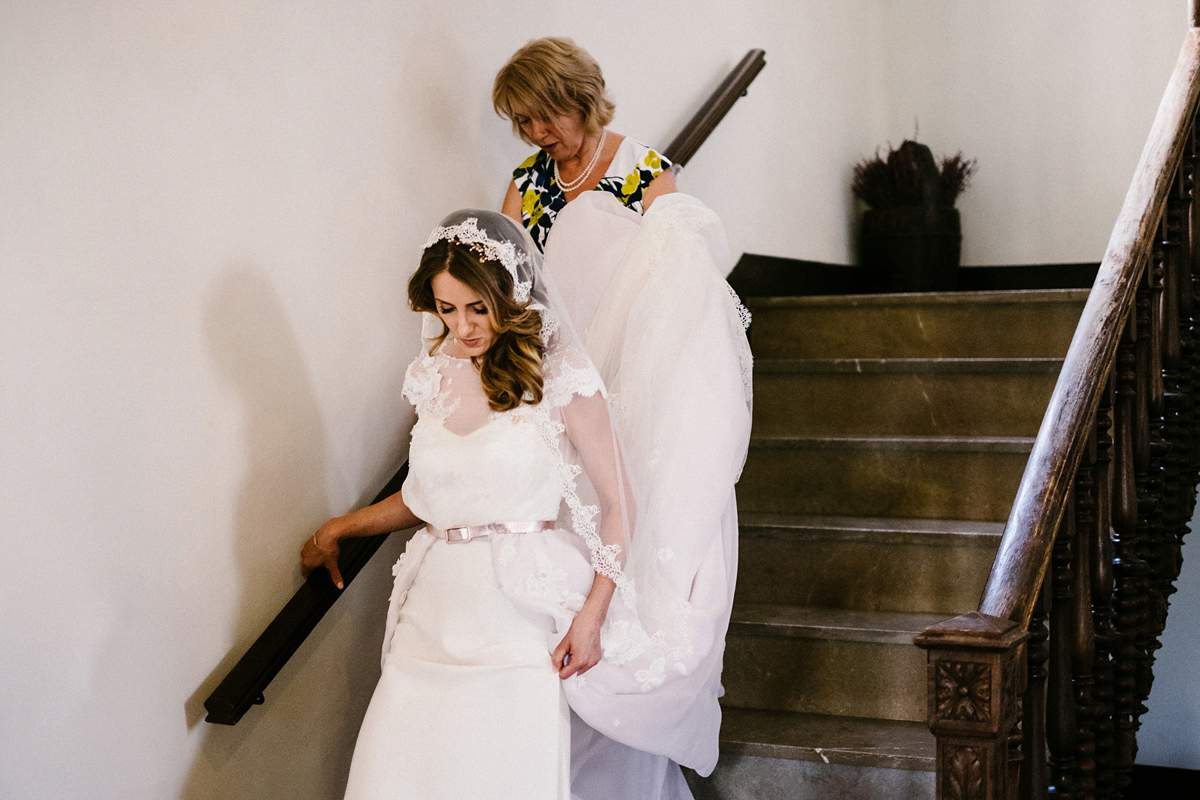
(826, 661)
(949, 477)
(1017, 324)
(864, 563)
(771, 755)
(909, 396)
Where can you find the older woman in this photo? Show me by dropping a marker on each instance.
(644, 287)
(553, 92)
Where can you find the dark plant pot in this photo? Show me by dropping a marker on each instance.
(912, 248)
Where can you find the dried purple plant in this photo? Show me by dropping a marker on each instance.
(956, 176)
(910, 177)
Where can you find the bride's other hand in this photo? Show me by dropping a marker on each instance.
(321, 550)
(579, 650)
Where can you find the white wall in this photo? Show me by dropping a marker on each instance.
(207, 215)
(1054, 100)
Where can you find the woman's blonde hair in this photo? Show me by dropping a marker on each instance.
(552, 77)
(511, 369)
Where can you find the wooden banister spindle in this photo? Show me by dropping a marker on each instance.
(1106, 638)
(1124, 499)
(1150, 305)
(1150, 584)
(1177, 388)
(1061, 733)
(1176, 374)
(1176, 226)
(1034, 773)
(1151, 481)
(1189, 347)
(1156, 297)
(1190, 305)
(1083, 637)
(1191, 235)
(1190, 253)
(1141, 386)
(1167, 558)
(1126, 602)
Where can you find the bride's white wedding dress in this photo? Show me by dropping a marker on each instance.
(469, 704)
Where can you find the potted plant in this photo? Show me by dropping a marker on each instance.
(911, 234)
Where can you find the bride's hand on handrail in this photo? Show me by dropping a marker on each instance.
(321, 550)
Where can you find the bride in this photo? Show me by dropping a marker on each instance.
(502, 606)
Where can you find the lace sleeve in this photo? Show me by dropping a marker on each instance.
(570, 374)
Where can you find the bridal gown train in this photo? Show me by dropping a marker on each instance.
(667, 335)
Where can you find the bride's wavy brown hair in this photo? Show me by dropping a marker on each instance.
(511, 369)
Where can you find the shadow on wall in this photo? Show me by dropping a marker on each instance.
(254, 347)
(443, 158)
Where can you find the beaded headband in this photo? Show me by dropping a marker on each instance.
(468, 232)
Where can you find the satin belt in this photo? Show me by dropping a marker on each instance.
(468, 532)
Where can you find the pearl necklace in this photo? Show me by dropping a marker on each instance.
(575, 184)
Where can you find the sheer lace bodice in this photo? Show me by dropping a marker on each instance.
(468, 464)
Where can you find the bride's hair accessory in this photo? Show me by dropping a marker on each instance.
(468, 233)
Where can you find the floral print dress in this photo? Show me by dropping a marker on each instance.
(634, 167)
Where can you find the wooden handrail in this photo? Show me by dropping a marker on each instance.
(244, 685)
(715, 108)
(1022, 560)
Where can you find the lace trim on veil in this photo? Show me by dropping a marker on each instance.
(564, 380)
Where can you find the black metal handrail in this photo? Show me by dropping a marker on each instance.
(244, 685)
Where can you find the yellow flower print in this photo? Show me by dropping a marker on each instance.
(531, 206)
(529, 162)
(631, 184)
(653, 160)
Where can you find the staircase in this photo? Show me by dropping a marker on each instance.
(890, 435)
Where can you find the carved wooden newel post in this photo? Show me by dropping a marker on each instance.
(976, 673)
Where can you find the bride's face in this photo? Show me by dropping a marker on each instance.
(465, 313)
